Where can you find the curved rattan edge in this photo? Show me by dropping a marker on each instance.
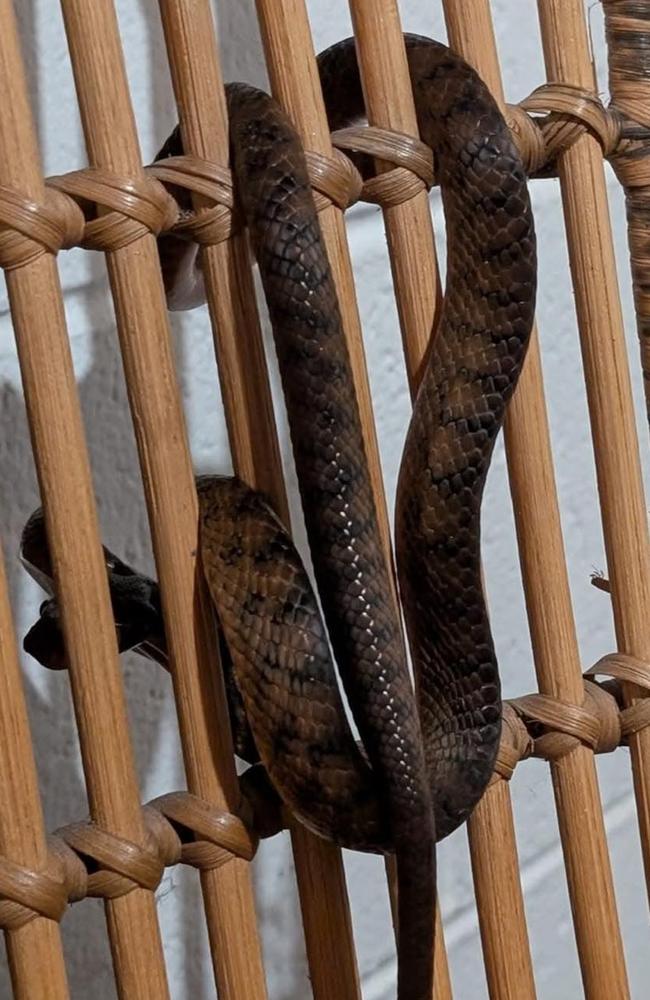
(99, 210)
(538, 725)
(85, 860)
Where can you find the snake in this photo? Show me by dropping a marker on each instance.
(422, 754)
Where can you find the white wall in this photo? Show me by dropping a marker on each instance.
(119, 494)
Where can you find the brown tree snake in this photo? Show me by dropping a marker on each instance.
(420, 766)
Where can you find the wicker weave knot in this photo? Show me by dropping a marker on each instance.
(118, 210)
(516, 744)
(189, 175)
(528, 138)
(26, 893)
(558, 727)
(114, 865)
(206, 837)
(29, 229)
(85, 860)
(412, 160)
(634, 704)
(334, 180)
(566, 113)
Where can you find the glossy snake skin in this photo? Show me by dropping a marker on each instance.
(420, 768)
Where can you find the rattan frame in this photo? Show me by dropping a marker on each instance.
(562, 128)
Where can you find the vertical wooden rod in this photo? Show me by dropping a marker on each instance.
(389, 104)
(550, 614)
(499, 900)
(326, 917)
(34, 951)
(189, 31)
(66, 487)
(143, 330)
(609, 393)
(198, 86)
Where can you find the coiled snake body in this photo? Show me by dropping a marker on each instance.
(420, 768)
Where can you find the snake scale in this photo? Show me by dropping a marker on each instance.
(420, 767)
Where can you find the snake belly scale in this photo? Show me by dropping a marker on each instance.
(421, 765)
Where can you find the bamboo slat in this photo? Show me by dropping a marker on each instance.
(389, 104)
(189, 32)
(499, 902)
(65, 483)
(143, 330)
(609, 393)
(36, 945)
(198, 86)
(326, 919)
(554, 641)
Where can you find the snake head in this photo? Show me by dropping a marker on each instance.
(135, 599)
(138, 624)
(44, 641)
